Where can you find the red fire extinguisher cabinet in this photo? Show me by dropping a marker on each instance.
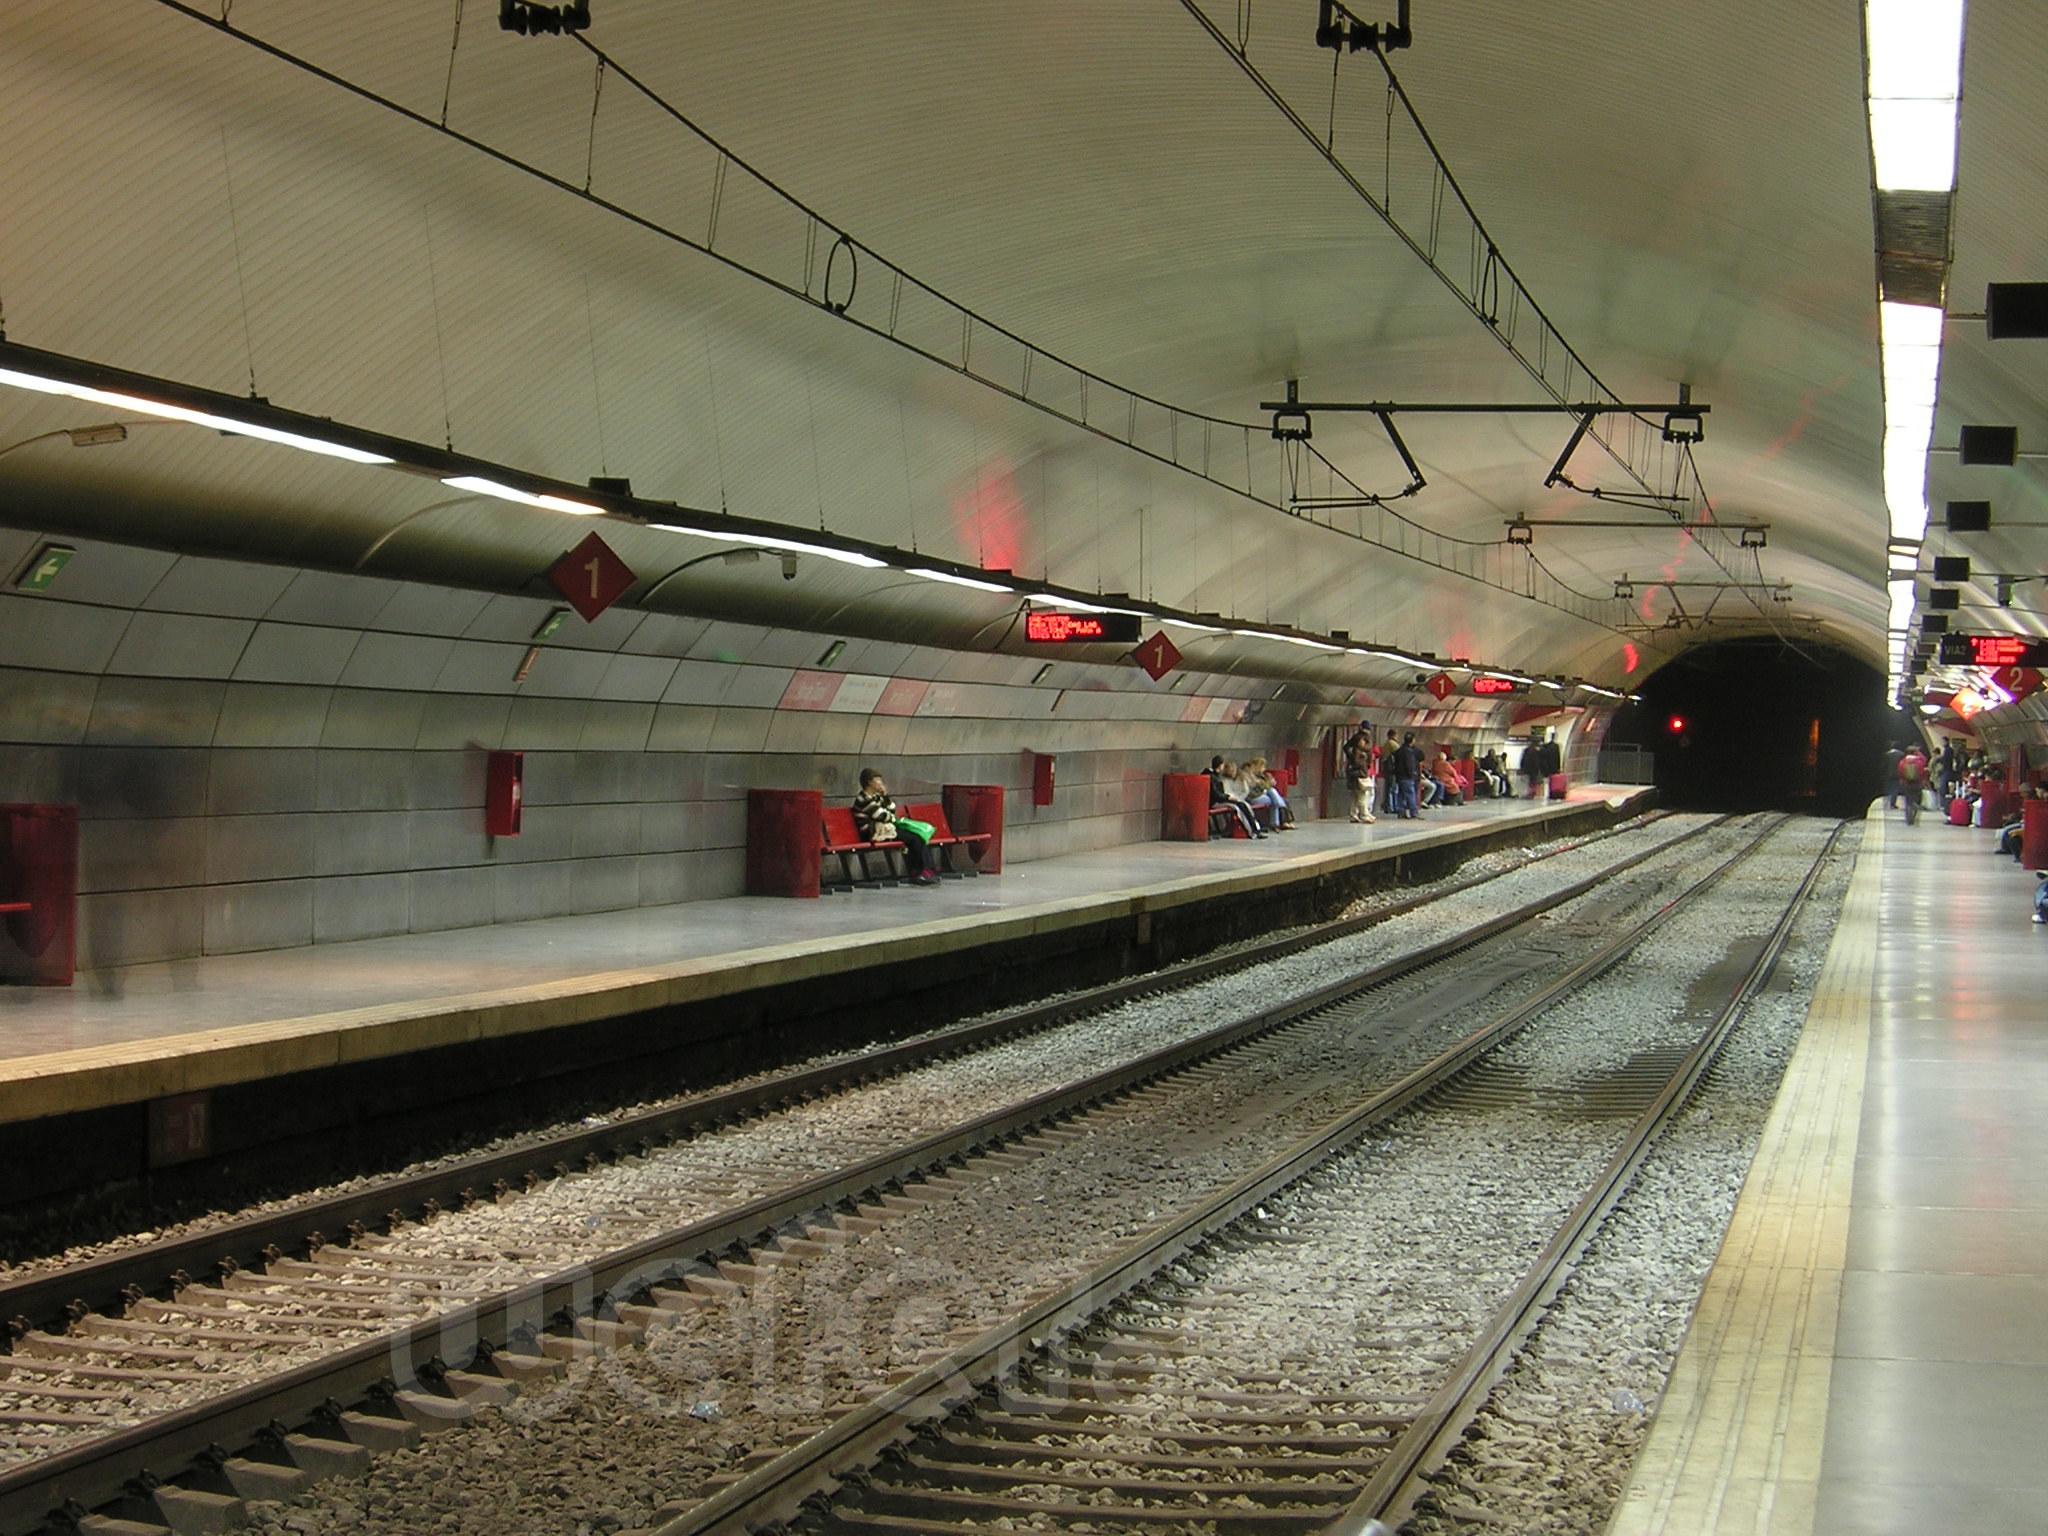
(504, 793)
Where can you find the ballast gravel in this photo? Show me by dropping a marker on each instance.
(627, 1436)
(1558, 1436)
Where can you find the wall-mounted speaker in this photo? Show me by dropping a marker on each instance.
(1969, 517)
(1951, 568)
(2016, 311)
(1989, 445)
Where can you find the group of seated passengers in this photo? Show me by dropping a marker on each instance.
(1250, 794)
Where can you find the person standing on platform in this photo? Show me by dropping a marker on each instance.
(1407, 770)
(1360, 757)
(1550, 763)
(1912, 778)
(1891, 776)
(1532, 763)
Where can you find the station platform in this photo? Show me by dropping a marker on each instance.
(149, 1032)
(1870, 1354)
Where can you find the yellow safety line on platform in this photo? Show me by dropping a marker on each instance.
(1736, 1446)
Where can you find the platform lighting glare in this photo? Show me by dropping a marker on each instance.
(1206, 629)
(197, 418)
(1910, 338)
(1902, 560)
(1303, 640)
(958, 581)
(1526, 682)
(1930, 709)
(1901, 616)
(1915, 49)
(766, 541)
(503, 492)
(1398, 659)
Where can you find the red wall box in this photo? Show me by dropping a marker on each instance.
(504, 793)
(785, 841)
(972, 808)
(39, 894)
(1184, 808)
(1041, 778)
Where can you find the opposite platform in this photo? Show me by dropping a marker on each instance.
(151, 1031)
(1870, 1354)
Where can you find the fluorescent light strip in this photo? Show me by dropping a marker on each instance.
(768, 541)
(1206, 629)
(1301, 640)
(196, 418)
(503, 492)
(1915, 50)
(1078, 605)
(960, 581)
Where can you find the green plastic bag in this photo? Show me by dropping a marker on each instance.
(922, 829)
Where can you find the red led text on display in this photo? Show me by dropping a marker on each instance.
(1058, 628)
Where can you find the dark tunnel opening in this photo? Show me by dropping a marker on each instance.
(1749, 725)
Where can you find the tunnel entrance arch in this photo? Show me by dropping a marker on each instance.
(1747, 725)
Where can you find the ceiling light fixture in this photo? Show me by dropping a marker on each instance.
(1915, 81)
(141, 406)
(486, 487)
(769, 541)
(950, 579)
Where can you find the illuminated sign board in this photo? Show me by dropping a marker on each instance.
(1486, 686)
(1061, 628)
(1993, 651)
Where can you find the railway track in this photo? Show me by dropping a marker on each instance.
(373, 1321)
(1215, 1375)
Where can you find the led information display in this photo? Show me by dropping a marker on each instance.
(1993, 651)
(1484, 686)
(1058, 628)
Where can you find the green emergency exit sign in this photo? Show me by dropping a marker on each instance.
(41, 571)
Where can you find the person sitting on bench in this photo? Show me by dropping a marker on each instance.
(874, 815)
(1221, 772)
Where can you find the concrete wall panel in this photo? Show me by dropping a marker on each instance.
(63, 637)
(227, 588)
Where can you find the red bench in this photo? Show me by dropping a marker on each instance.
(841, 837)
(945, 839)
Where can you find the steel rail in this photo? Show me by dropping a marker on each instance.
(44, 1299)
(1390, 1495)
(97, 1471)
(778, 1490)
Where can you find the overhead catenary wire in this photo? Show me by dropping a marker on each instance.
(1095, 422)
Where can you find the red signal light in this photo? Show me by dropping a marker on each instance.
(1675, 725)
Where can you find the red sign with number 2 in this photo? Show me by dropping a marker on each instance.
(591, 577)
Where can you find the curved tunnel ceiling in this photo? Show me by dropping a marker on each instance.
(1690, 204)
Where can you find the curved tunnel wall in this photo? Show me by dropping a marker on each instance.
(265, 757)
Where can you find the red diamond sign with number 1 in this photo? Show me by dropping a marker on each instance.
(591, 577)
(1441, 687)
(1158, 655)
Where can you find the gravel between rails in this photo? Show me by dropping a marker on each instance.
(1560, 1433)
(626, 1436)
(58, 1242)
(499, 1245)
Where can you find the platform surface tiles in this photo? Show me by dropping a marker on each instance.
(1870, 1357)
(123, 1035)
